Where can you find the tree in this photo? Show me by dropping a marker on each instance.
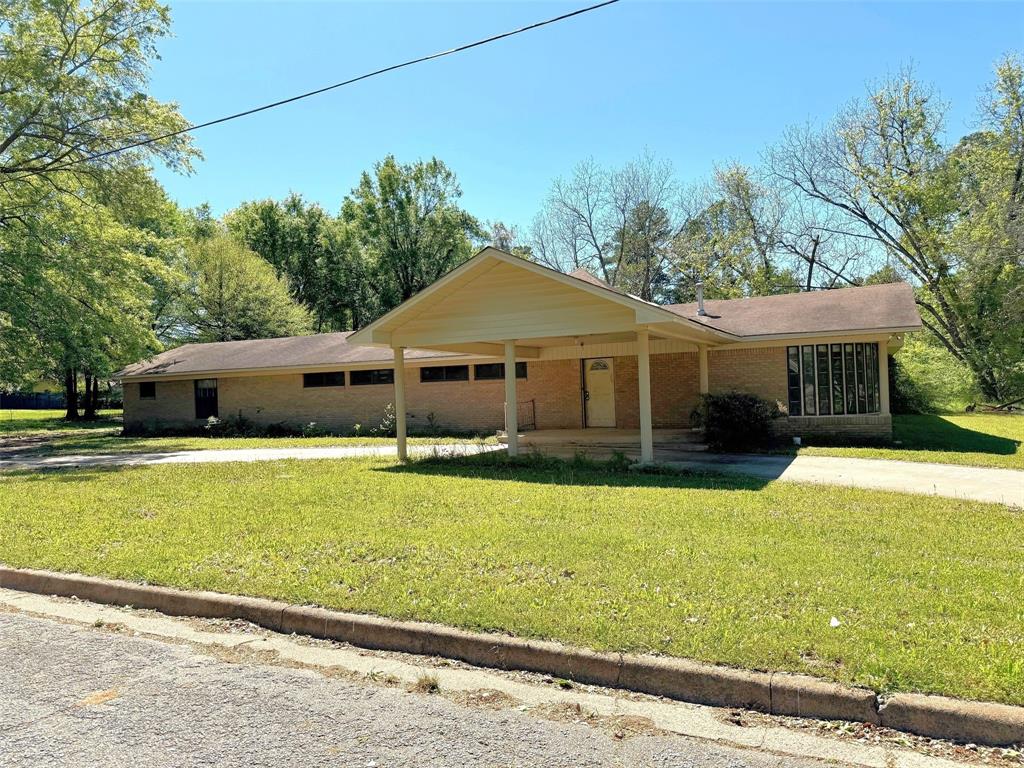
(231, 293)
(944, 218)
(407, 221)
(301, 241)
(613, 223)
(79, 244)
(72, 85)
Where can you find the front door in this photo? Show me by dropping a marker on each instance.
(599, 392)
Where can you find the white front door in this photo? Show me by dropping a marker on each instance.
(599, 392)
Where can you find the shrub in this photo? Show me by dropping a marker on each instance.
(925, 378)
(736, 421)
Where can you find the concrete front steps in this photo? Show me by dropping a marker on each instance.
(607, 439)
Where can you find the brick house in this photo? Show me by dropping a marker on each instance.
(567, 350)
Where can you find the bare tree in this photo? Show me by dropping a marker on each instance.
(616, 224)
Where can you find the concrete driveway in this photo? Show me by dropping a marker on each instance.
(27, 460)
(1000, 486)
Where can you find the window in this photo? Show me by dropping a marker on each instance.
(810, 399)
(485, 371)
(325, 379)
(147, 390)
(824, 381)
(833, 379)
(838, 401)
(377, 376)
(206, 398)
(795, 400)
(445, 373)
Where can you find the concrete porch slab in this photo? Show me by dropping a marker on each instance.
(558, 440)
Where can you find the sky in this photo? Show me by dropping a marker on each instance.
(697, 83)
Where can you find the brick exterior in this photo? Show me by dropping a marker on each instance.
(675, 389)
(552, 389)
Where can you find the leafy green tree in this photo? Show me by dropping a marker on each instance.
(79, 241)
(407, 222)
(945, 219)
(231, 293)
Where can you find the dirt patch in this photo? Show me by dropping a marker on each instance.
(486, 698)
(620, 726)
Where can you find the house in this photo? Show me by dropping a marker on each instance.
(567, 351)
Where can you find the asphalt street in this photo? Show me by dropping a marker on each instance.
(81, 696)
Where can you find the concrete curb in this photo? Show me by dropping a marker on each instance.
(681, 679)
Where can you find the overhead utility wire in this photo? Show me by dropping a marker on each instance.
(367, 76)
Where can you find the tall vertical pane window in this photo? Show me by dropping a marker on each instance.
(793, 376)
(837, 379)
(851, 378)
(810, 396)
(833, 379)
(824, 380)
(862, 385)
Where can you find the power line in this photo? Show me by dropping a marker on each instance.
(350, 81)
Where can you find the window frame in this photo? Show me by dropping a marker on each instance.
(447, 376)
(522, 372)
(151, 386)
(309, 379)
(834, 379)
(377, 376)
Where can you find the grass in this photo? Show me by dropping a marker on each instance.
(976, 439)
(726, 570)
(15, 423)
(104, 436)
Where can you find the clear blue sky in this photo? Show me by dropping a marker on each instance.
(697, 83)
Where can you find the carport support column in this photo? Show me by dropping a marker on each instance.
(511, 409)
(400, 429)
(643, 362)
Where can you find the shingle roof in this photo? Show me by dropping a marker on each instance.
(863, 308)
(324, 349)
(846, 310)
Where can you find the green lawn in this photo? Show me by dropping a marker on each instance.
(15, 423)
(927, 590)
(984, 440)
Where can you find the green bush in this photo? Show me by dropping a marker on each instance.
(736, 421)
(925, 378)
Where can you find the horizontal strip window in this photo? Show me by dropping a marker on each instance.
(486, 371)
(375, 376)
(147, 390)
(324, 379)
(827, 379)
(444, 373)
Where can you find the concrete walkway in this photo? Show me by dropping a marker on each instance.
(1001, 486)
(216, 456)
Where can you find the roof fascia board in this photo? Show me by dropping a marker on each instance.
(851, 334)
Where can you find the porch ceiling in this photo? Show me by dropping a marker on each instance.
(495, 296)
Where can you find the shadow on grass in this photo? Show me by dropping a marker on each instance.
(14, 427)
(580, 471)
(933, 433)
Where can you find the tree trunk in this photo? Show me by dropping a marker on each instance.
(71, 394)
(91, 396)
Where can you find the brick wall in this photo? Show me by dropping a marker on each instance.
(760, 372)
(553, 386)
(675, 388)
